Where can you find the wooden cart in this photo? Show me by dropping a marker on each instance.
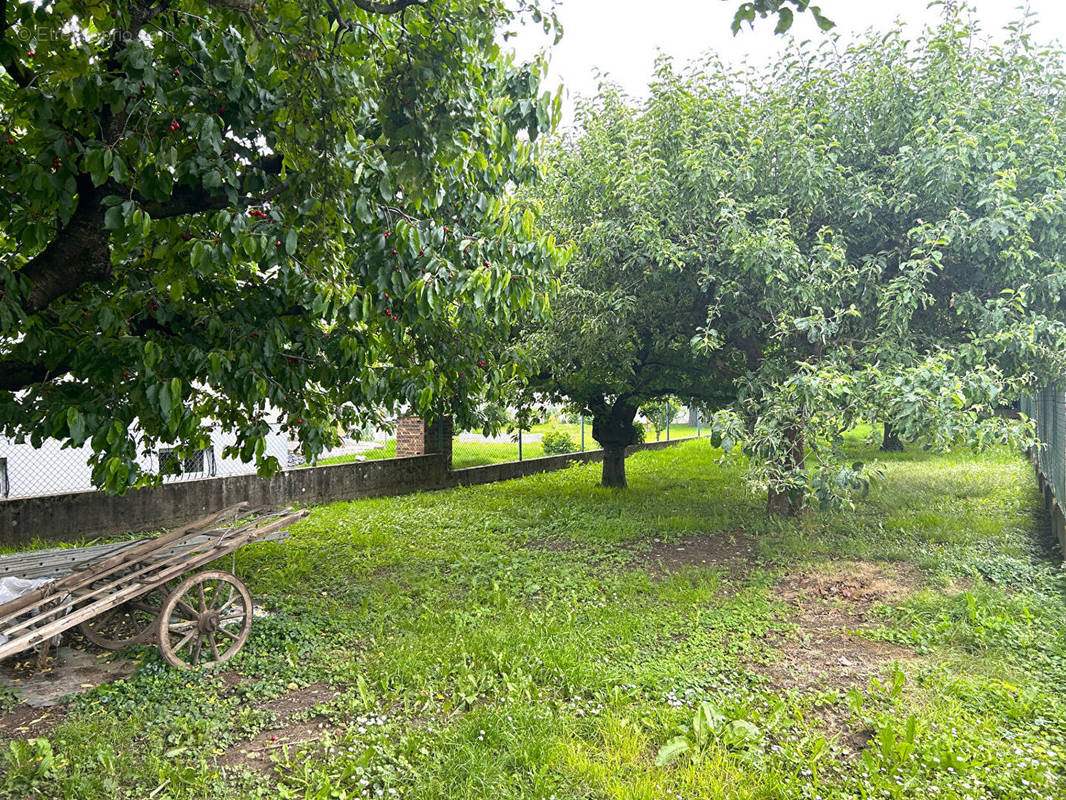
(150, 590)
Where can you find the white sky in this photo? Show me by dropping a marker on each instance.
(621, 37)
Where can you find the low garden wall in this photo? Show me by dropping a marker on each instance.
(85, 515)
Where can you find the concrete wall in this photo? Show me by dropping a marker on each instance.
(83, 515)
(1056, 516)
(68, 517)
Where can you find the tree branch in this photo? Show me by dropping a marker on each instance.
(22, 76)
(194, 199)
(16, 375)
(394, 7)
(78, 254)
(236, 5)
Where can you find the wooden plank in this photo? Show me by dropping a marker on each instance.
(41, 563)
(56, 562)
(109, 564)
(38, 634)
(89, 575)
(35, 635)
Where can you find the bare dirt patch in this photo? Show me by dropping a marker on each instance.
(836, 724)
(231, 679)
(298, 700)
(70, 671)
(733, 550)
(858, 584)
(831, 604)
(25, 722)
(829, 659)
(558, 544)
(255, 755)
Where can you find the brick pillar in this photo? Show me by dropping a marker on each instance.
(416, 437)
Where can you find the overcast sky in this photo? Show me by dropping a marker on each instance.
(621, 37)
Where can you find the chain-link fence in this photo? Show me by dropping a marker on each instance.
(1047, 409)
(561, 435)
(50, 469)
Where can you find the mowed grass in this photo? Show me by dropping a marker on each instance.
(464, 454)
(475, 454)
(544, 638)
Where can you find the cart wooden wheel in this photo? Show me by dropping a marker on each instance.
(129, 624)
(205, 621)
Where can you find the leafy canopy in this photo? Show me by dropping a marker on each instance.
(870, 234)
(630, 300)
(225, 212)
(898, 250)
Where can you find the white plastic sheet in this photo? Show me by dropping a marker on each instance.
(12, 587)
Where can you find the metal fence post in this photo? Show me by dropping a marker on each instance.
(699, 424)
(667, 415)
(582, 433)
(519, 444)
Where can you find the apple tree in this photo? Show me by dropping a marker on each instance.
(631, 299)
(235, 213)
(878, 239)
(897, 246)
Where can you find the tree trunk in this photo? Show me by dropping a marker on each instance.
(614, 468)
(693, 417)
(788, 502)
(891, 443)
(783, 504)
(612, 427)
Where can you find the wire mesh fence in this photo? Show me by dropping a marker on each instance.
(1047, 409)
(559, 436)
(52, 469)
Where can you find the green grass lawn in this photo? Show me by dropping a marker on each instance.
(464, 454)
(474, 454)
(545, 638)
(676, 432)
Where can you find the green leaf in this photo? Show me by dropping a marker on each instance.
(784, 20)
(823, 22)
(671, 750)
(76, 425)
(113, 218)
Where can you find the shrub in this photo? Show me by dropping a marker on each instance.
(556, 443)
